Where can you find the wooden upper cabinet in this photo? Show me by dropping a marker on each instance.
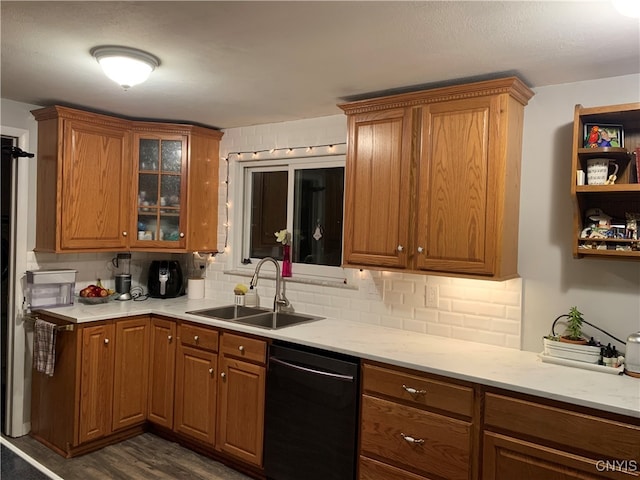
(433, 180)
(376, 227)
(160, 162)
(87, 200)
(176, 187)
(202, 196)
(83, 181)
(458, 187)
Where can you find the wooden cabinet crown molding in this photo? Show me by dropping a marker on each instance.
(511, 85)
(152, 126)
(175, 128)
(58, 111)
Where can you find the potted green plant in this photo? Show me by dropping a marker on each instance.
(573, 333)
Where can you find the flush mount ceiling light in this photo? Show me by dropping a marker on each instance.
(628, 8)
(125, 66)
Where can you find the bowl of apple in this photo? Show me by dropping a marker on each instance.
(95, 294)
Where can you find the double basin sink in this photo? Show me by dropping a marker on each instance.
(255, 316)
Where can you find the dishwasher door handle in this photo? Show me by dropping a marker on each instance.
(337, 376)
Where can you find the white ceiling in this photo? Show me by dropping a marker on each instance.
(228, 64)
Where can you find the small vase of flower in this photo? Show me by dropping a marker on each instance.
(284, 237)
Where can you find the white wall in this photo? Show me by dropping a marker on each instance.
(606, 291)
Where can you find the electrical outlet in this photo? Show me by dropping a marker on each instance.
(432, 296)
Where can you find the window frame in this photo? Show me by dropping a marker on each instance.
(243, 200)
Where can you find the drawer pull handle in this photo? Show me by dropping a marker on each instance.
(413, 391)
(223, 375)
(169, 337)
(415, 441)
(196, 338)
(106, 341)
(211, 371)
(241, 348)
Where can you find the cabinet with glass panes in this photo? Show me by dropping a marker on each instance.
(176, 187)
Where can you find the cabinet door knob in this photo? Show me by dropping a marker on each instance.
(211, 371)
(420, 249)
(223, 375)
(169, 337)
(196, 338)
(124, 234)
(181, 235)
(413, 391)
(106, 340)
(400, 248)
(415, 441)
(241, 348)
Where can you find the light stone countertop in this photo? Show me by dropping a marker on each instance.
(511, 369)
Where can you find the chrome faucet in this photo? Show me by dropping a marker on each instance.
(280, 302)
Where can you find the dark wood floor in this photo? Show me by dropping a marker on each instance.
(145, 457)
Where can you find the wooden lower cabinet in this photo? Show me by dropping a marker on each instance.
(131, 373)
(370, 469)
(162, 369)
(511, 458)
(96, 382)
(241, 397)
(532, 438)
(195, 390)
(98, 389)
(411, 427)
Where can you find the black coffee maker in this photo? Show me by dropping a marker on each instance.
(165, 279)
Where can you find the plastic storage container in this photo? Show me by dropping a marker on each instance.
(50, 288)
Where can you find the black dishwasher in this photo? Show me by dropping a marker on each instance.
(311, 414)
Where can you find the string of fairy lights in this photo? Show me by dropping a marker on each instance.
(268, 154)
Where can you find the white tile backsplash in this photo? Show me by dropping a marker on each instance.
(476, 310)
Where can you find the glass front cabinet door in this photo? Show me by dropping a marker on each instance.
(160, 193)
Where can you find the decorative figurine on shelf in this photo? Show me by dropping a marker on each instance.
(284, 237)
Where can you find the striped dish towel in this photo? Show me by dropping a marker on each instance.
(44, 347)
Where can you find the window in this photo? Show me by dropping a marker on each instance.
(303, 195)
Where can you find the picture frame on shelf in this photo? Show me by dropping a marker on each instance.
(597, 135)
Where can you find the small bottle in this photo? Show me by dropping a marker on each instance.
(251, 298)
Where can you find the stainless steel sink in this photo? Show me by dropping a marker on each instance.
(229, 312)
(275, 320)
(256, 316)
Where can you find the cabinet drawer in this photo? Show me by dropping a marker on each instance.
(428, 392)
(441, 445)
(373, 470)
(511, 458)
(199, 337)
(606, 438)
(243, 347)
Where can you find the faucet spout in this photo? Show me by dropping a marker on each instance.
(280, 300)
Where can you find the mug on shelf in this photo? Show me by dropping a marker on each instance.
(598, 170)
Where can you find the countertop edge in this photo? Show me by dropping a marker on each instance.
(508, 369)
